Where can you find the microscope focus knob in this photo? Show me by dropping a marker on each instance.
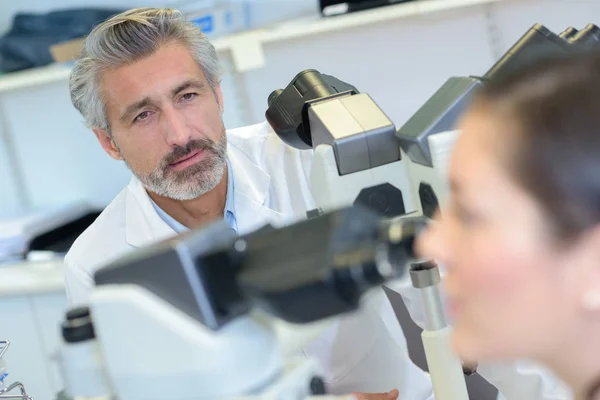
(78, 326)
(317, 386)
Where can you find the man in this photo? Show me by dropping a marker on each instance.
(147, 84)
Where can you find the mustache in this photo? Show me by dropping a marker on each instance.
(180, 152)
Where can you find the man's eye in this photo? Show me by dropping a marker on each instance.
(188, 96)
(142, 116)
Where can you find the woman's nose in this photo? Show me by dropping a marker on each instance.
(430, 243)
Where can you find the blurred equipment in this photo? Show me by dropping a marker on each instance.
(32, 293)
(210, 295)
(27, 44)
(224, 17)
(32, 304)
(16, 390)
(45, 233)
(338, 7)
(82, 373)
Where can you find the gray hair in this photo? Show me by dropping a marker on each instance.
(127, 38)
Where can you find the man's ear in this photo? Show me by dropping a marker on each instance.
(107, 143)
(219, 95)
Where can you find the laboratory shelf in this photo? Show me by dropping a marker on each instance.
(34, 77)
(246, 48)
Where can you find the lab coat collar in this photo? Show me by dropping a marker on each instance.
(251, 198)
(143, 225)
(253, 206)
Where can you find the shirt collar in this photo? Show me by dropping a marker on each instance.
(228, 212)
(172, 222)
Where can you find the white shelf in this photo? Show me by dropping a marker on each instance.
(247, 48)
(292, 30)
(34, 77)
(32, 277)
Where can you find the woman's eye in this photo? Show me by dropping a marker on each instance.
(465, 216)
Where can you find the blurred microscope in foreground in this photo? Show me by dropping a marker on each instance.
(196, 317)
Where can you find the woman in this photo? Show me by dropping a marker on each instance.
(520, 238)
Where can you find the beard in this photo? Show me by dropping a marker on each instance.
(192, 182)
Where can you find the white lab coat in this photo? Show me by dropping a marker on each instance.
(365, 351)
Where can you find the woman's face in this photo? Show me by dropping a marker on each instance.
(510, 292)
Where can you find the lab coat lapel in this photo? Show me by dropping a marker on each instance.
(251, 194)
(143, 225)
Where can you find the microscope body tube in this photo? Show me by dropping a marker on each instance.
(432, 303)
(445, 367)
(568, 33)
(81, 359)
(82, 372)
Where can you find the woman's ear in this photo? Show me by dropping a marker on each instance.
(590, 296)
(591, 301)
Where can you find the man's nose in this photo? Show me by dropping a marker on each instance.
(178, 133)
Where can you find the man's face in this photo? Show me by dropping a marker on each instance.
(165, 123)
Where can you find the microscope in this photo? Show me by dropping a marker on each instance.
(360, 158)
(195, 317)
(200, 316)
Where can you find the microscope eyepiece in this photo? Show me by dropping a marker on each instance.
(568, 33)
(287, 107)
(273, 96)
(588, 36)
(400, 235)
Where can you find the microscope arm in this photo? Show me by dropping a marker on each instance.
(442, 110)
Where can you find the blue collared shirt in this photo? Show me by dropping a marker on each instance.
(228, 214)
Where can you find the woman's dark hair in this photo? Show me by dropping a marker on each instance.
(556, 106)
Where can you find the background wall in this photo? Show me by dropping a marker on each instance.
(399, 62)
